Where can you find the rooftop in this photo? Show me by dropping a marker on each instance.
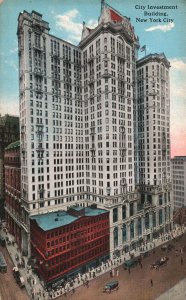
(179, 158)
(153, 57)
(57, 219)
(13, 145)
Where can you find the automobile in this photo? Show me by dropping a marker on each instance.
(130, 263)
(111, 286)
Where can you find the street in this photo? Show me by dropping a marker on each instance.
(137, 284)
(141, 283)
(9, 289)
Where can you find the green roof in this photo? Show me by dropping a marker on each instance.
(13, 145)
(54, 220)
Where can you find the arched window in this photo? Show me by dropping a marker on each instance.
(115, 215)
(124, 213)
(115, 236)
(131, 209)
(132, 229)
(147, 221)
(160, 216)
(139, 227)
(154, 219)
(124, 233)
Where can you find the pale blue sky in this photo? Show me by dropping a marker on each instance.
(65, 19)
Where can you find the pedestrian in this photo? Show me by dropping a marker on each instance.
(117, 272)
(151, 282)
(110, 273)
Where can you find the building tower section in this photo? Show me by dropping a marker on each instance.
(109, 57)
(153, 108)
(51, 117)
(152, 147)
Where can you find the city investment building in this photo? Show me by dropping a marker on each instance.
(178, 164)
(94, 128)
(9, 132)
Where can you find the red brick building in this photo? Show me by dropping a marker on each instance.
(12, 167)
(66, 243)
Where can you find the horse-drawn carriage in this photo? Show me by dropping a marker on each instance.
(162, 262)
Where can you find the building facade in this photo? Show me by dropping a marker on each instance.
(152, 136)
(178, 167)
(179, 216)
(77, 118)
(9, 132)
(12, 166)
(67, 243)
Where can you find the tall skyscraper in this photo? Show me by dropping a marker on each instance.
(152, 108)
(77, 125)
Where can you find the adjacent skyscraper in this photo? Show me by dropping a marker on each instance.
(9, 132)
(178, 164)
(79, 111)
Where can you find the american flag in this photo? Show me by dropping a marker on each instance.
(143, 48)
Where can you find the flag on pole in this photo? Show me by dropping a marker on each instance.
(143, 48)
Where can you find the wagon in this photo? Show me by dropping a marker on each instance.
(130, 263)
(111, 286)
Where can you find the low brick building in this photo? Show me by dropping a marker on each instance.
(66, 243)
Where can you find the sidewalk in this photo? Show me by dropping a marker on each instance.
(178, 292)
(34, 285)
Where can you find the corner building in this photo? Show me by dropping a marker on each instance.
(68, 243)
(77, 124)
